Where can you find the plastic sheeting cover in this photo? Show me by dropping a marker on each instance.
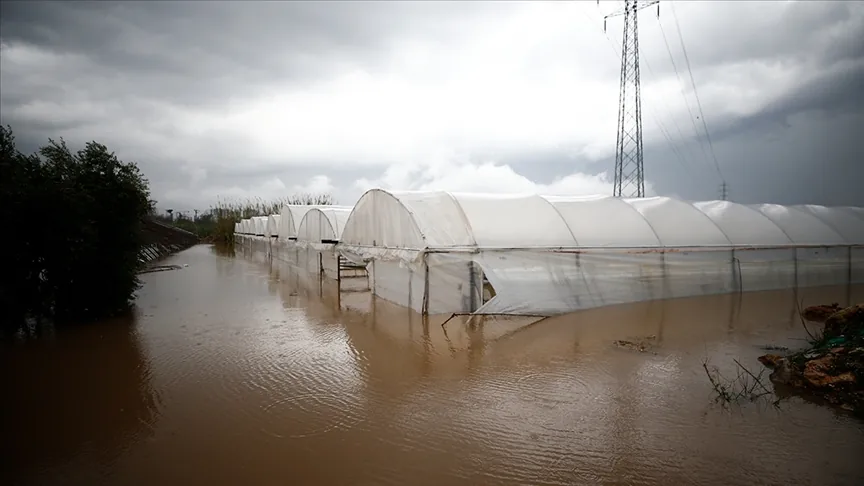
(440, 220)
(291, 216)
(803, 227)
(259, 225)
(602, 221)
(847, 222)
(272, 228)
(548, 283)
(323, 224)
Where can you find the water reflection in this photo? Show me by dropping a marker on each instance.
(262, 375)
(75, 401)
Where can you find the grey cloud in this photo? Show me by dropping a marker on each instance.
(207, 52)
(125, 67)
(819, 32)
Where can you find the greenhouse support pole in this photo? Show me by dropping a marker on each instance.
(410, 288)
(663, 263)
(732, 263)
(581, 274)
(795, 261)
(425, 308)
(737, 277)
(849, 276)
(320, 282)
(472, 286)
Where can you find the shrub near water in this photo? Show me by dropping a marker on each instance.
(74, 231)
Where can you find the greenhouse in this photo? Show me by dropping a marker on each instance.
(323, 226)
(317, 236)
(259, 225)
(292, 215)
(272, 228)
(440, 252)
(242, 227)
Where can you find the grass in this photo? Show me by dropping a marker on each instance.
(746, 386)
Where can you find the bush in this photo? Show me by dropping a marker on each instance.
(73, 227)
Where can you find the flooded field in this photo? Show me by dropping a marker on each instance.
(232, 372)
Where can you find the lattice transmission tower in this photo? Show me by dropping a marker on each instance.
(629, 167)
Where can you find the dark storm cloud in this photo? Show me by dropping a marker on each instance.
(218, 52)
(815, 33)
(118, 71)
(122, 72)
(802, 148)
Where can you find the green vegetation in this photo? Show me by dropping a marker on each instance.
(229, 212)
(73, 234)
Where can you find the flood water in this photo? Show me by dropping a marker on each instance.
(231, 373)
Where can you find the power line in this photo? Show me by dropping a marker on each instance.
(681, 159)
(683, 94)
(696, 94)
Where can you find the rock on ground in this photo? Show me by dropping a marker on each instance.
(833, 367)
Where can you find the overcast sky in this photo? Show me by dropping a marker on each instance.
(268, 99)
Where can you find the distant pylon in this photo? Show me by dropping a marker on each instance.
(629, 166)
(724, 191)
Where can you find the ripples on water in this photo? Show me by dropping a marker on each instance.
(233, 373)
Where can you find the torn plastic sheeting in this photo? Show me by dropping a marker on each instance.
(412, 259)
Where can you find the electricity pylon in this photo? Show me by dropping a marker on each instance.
(629, 167)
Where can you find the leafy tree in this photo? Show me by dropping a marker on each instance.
(78, 223)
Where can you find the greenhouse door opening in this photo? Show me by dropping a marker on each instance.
(352, 277)
(481, 289)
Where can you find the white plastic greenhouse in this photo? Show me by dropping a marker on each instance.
(259, 225)
(434, 251)
(317, 235)
(323, 226)
(272, 228)
(292, 216)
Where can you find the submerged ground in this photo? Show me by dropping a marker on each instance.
(233, 373)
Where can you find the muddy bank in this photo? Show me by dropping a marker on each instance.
(831, 369)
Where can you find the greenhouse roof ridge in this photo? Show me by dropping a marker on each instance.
(437, 220)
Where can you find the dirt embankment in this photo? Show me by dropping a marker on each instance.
(832, 368)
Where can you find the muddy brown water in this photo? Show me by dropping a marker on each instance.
(233, 372)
